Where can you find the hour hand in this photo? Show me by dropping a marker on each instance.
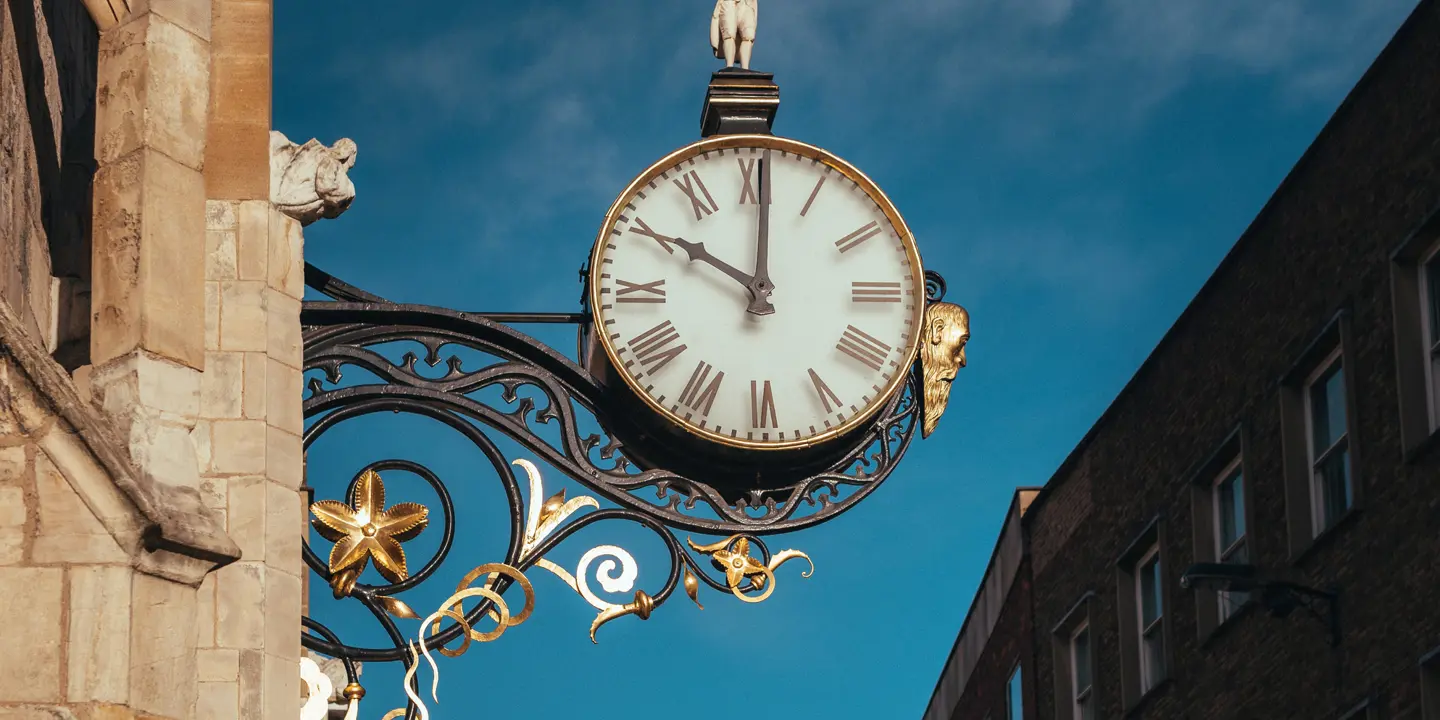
(696, 251)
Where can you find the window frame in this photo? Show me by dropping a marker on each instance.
(1333, 342)
(1225, 609)
(1430, 339)
(1151, 541)
(1078, 696)
(1429, 668)
(1326, 369)
(1231, 455)
(1415, 375)
(1016, 675)
(1062, 637)
(1149, 676)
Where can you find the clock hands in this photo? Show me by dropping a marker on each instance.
(760, 286)
(696, 251)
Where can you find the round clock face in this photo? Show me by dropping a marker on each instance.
(757, 291)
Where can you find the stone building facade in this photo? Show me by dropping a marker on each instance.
(1287, 423)
(150, 361)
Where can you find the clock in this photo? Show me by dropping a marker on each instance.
(755, 293)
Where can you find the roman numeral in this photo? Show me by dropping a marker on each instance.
(656, 347)
(650, 292)
(702, 208)
(697, 395)
(827, 396)
(762, 406)
(813, 193)
(863, 347)
(875, 292)
(640, 228)
(747, 173)
(855, 239)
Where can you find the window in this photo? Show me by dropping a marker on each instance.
(1152, 639)
(1330, 492)
(1230, 540)
(1415, 282)
(1430, 685)
(1142, 600)
(1363, 710)
(1074, 654)
(1219, 500)
(1317, 395)
(1430, 326)
(1014, 697)
(1080, 681)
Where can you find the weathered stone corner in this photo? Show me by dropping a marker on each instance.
(165, 529)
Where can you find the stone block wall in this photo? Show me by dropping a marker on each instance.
(250, 459)
(99, 567)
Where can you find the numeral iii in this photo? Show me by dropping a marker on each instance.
(875, 292)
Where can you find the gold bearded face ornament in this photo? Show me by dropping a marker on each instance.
(942, 354)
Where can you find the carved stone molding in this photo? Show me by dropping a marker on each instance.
(165, 529)
(309, 182)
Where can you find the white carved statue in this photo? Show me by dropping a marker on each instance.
(734, 21)
(309, 182)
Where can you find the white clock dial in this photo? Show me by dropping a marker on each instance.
(758, 292)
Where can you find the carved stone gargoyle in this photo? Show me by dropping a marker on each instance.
(309, 182)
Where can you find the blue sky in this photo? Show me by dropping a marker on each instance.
(1075, 169)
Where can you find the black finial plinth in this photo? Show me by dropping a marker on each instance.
(739, 101)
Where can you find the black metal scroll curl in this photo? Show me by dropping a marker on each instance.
(349, 331)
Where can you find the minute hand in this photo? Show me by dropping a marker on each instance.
(760, 286)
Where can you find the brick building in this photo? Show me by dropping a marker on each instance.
(1286, 423)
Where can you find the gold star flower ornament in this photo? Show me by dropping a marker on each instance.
(366, 529)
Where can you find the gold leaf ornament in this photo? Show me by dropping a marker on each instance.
(366, 530)
(732, 555)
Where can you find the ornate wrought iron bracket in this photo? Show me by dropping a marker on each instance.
(541, 391)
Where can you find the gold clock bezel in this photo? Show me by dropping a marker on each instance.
(786, 145)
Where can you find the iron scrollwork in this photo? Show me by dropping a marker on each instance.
(541, 391)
